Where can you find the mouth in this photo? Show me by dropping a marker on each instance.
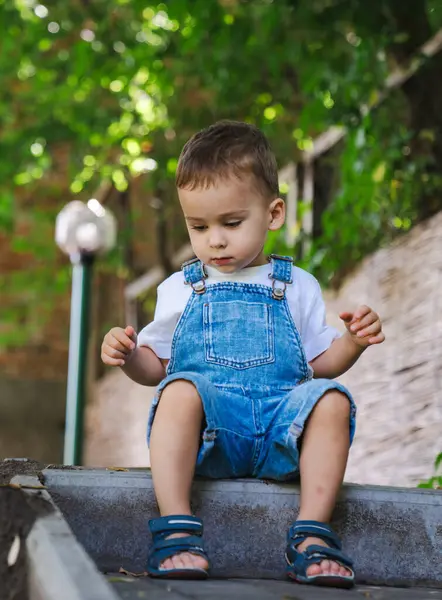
(222, 261)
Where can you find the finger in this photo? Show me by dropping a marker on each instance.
(369, 319)
(120, 336)
(361, 312)
(115, 344)
(108, 358)
(112, 362)
(130, 332)
(346, 316)
(371, 330)
(112, 352)
(377, 339)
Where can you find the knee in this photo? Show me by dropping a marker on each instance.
(181, 395)
(334, 405)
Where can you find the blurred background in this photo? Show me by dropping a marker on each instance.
(96, 100)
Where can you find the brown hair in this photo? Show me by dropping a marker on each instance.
(224, 149)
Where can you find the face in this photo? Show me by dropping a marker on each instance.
(228, 223)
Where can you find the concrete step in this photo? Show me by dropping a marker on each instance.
(256, 589)
(393, 534)
(57, 567)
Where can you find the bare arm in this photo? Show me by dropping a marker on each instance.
(342, 354)
(364, 329)
(144, 367)
(140, 363)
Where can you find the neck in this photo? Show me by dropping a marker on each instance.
(258, 261)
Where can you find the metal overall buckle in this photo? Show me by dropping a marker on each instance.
(199, 287)
(278, 292)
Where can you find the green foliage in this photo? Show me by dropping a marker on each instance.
(375, 196)
(434, 482)
(110, 90)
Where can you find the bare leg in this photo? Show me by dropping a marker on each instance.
(324, 454)
(173, 450)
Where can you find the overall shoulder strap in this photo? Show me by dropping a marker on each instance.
(194, 275)
(282, 272)
(281, 268)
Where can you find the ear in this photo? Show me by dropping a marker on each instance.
(276, 214)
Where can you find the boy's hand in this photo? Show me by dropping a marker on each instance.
(364, 326)
(118, 345)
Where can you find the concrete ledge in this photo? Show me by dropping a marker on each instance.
(393, 534)
(59, 568)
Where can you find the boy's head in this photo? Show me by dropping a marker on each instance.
(227, 182)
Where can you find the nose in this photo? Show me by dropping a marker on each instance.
(217, 238)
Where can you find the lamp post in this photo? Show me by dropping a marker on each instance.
(82, 231)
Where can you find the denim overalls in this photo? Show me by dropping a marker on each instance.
(239, 346)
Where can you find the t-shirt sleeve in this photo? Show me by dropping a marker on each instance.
(171, 300)
(317, 336)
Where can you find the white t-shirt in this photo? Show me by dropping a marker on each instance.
(304, 298)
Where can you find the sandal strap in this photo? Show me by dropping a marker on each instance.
(301, 530)
(163, 549)
(165, 526)
(315, 554)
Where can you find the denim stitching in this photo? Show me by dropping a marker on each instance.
(178, 328)
(298, 341)
(234, 393)
(281, 271)
(213, 357)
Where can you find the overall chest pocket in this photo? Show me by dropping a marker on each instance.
(239, 334)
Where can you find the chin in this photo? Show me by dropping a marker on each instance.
(227, 268)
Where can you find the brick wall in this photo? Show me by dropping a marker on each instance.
(33, 373)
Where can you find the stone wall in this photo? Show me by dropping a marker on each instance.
(396, 385)
(116, 423)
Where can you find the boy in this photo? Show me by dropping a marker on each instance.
(246, 363)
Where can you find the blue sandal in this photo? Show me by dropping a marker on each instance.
(298, 562)
(165, 548)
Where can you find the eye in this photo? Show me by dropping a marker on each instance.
(199, 227)
(233, 224)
